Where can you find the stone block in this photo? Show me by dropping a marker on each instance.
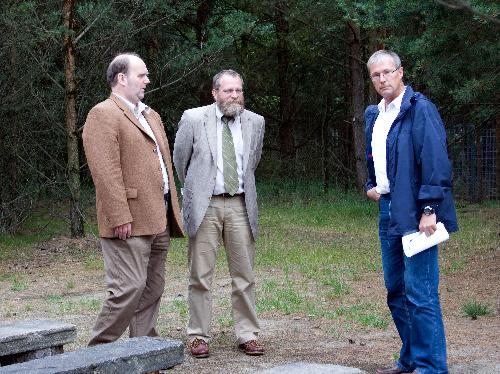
(311, 368)
(28, 339)
(135, 355)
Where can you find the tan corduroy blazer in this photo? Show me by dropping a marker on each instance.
(126, 171)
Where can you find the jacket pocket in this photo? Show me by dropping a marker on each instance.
(131, 193)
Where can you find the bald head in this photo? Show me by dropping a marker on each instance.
(128, 76)
(120, 64)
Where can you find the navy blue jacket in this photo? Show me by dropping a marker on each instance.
(418, 167)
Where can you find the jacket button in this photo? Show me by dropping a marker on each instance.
(154, 150)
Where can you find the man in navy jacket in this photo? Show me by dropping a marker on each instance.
(409, 175)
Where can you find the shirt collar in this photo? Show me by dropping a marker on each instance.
(395, 104)
(136, 109)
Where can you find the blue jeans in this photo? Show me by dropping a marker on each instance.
(412, 296)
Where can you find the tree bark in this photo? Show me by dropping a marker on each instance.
(287, 146)
(357, 103)
(201, 27)
(497, 158)
(73, 166)
(374, 44)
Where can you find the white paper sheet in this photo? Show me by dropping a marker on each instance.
(418, 241)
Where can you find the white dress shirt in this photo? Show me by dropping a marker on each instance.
(381, 128)
(137, 110)
(235, 127)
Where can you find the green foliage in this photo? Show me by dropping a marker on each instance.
(474, 309)
(451, 54)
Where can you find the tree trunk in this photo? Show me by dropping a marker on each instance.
(374, 44)
(76, 216)
(325, 144)
(201, 27)
(497, 158)
(287, 146)
(357, 102)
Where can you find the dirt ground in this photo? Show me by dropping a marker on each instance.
(58, 268)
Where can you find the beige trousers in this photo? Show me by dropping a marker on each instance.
(226, 217)
(135, 278)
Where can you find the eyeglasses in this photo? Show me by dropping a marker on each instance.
(237, 91)
(385, 73)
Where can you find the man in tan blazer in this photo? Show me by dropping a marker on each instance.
(137, 209)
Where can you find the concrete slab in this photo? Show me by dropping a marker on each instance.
(135, 355)
(31, 335)
(309, 368)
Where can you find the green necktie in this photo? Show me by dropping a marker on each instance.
(231, 183)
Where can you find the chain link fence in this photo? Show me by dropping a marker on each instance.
(474, 153)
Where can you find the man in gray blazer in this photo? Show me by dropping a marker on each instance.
(217, 149)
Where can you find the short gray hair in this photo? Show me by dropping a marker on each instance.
(217, 77)
(119, 65)
(381, 54)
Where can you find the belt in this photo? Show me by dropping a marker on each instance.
(225, 194)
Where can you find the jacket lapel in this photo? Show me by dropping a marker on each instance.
(405, 104)
(246, 130)
(210, 123)
(128, 113)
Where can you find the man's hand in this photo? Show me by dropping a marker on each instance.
(428, 224)
(372, 194)
(123, 231)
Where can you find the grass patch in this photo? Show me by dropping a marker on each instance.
(474, 309)
(225, 321)
(17, 283)
(279, 297)
(40, 226)
(70, 284)
(66, 305)
(178, 306)
(313, 248)
(93, 261)
(53, 298)
(365, 314)
(336, 285)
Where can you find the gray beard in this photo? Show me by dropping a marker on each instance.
(231, 109)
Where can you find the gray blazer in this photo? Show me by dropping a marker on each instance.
(195, 160)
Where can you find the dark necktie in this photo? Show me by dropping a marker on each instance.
(231, 183)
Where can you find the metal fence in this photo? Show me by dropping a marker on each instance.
(474, 153)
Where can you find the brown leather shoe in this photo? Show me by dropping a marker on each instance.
(393, 370)
(252, 348)
(199, 348)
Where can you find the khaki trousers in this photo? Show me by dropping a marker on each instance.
(135, 278)
(226, 217)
